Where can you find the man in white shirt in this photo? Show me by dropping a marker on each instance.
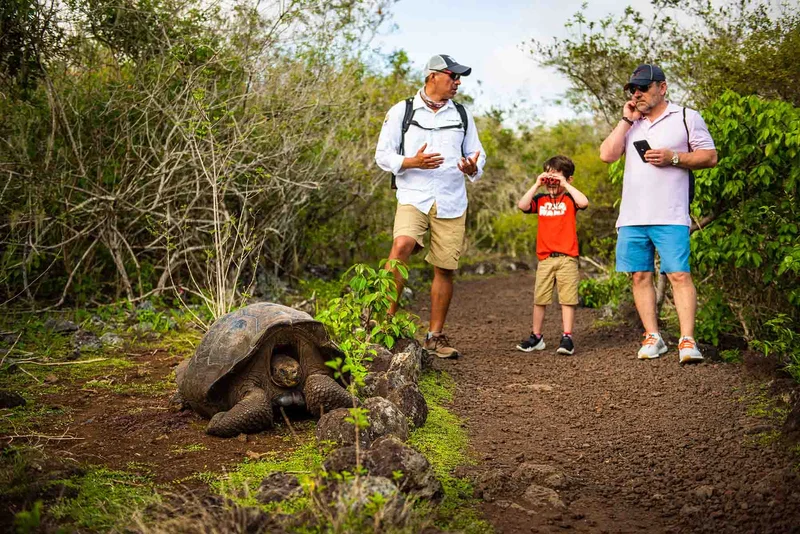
(654, 213)
(429, 163)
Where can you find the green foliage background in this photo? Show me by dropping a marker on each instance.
(169, 147)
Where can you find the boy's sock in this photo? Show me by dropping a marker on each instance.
(566, 334)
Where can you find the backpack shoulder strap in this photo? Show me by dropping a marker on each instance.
(462, 112)
(686, 127)
(408, 116)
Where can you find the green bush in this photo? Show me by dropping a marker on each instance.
(746, 252)
(598, 292)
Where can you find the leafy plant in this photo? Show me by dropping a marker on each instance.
(28, 521)
(598, 292)
(784, 343)
(360, 317)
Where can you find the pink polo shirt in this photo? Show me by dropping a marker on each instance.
(660, 195)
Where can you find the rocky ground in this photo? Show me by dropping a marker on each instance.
(602, 442)
(595, 442)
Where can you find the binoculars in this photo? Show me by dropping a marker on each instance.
(550, 181)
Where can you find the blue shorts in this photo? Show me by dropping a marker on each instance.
(636, 246)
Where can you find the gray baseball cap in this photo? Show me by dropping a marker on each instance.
(645, 74)
(442, 62)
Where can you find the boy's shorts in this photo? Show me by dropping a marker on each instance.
(447, 235)
(561, 270)
(636, 246)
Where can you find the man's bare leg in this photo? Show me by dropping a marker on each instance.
(644, 296)
(402, 248)
(441, 293)
(685, 295)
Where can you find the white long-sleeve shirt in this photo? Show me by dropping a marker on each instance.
(422, 187)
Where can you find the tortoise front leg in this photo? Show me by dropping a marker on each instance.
(324, 394)
(253, 413)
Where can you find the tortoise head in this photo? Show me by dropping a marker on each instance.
(285, 371)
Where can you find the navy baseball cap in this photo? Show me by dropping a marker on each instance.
(646, 74)
(442, 62)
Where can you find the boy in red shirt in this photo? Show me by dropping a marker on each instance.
(556, 248)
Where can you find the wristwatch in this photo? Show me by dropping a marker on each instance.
(626, 119)
(675, 159)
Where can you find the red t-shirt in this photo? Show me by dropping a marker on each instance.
(557, 231)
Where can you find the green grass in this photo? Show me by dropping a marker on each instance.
(191, 447)
(444, 443)
(241, 485)
(763, 439)
(731, 356)
(106, 499)
(761, 405)
(25, 419)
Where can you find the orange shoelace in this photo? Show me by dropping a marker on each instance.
(649, 340)
(686, 344)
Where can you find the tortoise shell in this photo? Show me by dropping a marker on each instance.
(235, 338)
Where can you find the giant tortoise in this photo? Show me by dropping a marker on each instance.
(254, 360)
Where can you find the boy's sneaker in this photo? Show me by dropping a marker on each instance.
(532, 343)
(566, 346)
(439, 346)
(688, 352)
(652, 346)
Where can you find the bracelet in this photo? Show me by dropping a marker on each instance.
(626, 119)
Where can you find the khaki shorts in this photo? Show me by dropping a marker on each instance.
(562, 270)
(447, 235)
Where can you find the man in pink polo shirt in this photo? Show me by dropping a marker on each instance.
(654, 214)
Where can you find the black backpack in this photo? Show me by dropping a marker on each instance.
(408, 120)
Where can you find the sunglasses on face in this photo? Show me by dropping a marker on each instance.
(453, 75)
(642, 88)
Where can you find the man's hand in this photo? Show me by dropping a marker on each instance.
(660, 157)
(629, 111)
(423, 161)
(469, 166)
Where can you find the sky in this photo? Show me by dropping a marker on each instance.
(493, 38)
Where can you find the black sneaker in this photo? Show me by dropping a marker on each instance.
(566, 346)
(532, 343)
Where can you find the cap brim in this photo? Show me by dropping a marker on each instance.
(460, 69)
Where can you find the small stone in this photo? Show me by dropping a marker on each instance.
(111, 340)
(10, 399)
(60, 326)
(278, 487)
(543, 497)
(85, 340)
(704, 492)
(688, 510)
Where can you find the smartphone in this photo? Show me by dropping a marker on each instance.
(642, 147)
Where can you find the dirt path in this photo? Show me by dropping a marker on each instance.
(623, 445)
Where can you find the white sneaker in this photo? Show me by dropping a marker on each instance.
(688, 351)
(652, 346)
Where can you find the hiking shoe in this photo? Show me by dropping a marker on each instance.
(566, 346)
(532, 343)
(652, 347)
(439, 346)
(688, 352)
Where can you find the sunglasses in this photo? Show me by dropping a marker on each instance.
(643, 88)
(453, 75)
